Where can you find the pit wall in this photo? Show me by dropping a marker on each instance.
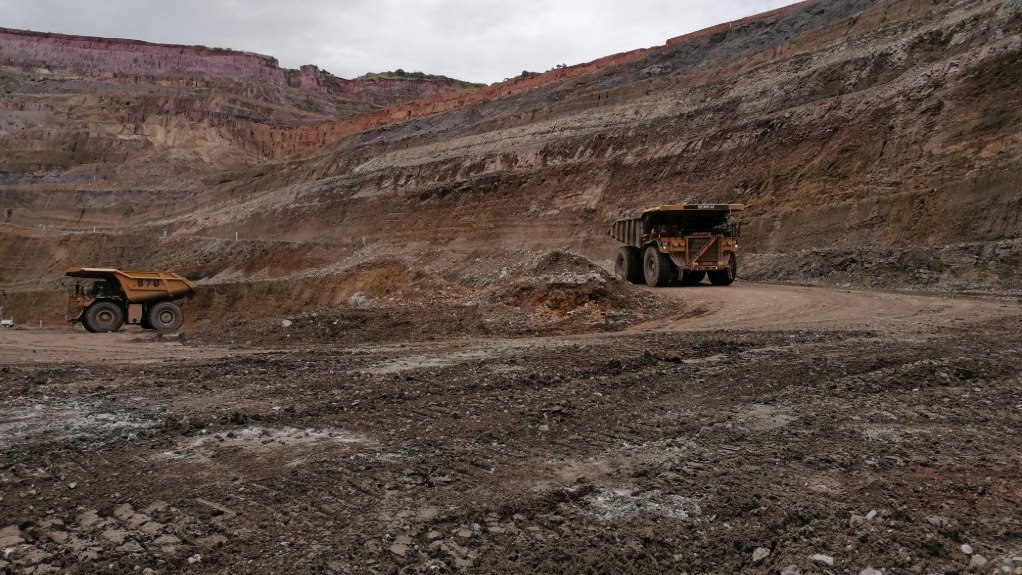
(877, 145)
(893, 128)
(65, 55)
(99, 108)
(93, 55)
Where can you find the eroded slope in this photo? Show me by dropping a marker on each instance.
(877, 144)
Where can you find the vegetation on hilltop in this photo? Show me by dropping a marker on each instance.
(400, 74)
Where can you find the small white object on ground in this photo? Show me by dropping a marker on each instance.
(821, 558)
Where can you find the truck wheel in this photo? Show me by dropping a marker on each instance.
(628, 265)
(657, 268)
(689, 277)
(166, 316)
(103, 316)
(726, 276)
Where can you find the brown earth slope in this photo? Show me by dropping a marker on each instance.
(877, 144)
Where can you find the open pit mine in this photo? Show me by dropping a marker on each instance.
(406, 349)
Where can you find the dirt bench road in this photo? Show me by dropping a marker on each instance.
(752, 306)
(742, 306)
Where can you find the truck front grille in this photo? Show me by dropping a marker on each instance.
(696, 244)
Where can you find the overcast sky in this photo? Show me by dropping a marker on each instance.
(476, 40)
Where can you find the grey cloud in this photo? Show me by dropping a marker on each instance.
(474, 40)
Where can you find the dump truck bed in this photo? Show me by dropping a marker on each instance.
(140, 286)
(631, 230)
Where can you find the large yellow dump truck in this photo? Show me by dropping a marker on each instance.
(679, 242)
(116, 297)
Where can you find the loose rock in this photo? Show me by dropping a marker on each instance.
(821, 558)
(401, 545)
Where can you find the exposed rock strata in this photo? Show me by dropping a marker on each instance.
(886, 132)
(78, 103)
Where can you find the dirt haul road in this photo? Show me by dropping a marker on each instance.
(814, 430)
(751, 306)
(744, 306)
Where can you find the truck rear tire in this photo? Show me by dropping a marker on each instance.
(689, 277)
(166, 316)
(628, 265)
(85, 324)
(657, 268)
(726, 276)
(103, 316)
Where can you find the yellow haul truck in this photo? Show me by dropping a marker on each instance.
(679, 242)
(116, 297)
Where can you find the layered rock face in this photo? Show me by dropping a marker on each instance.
(375, 91)
(71, 107)
(852, 129)
(876, 143)
(91, 56)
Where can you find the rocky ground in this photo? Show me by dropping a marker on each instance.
(808, 430)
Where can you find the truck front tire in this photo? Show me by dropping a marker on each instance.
(166, 316)
(103, 316)
(692, 277)
(726, 276)
(628, 265)
(657, 268)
